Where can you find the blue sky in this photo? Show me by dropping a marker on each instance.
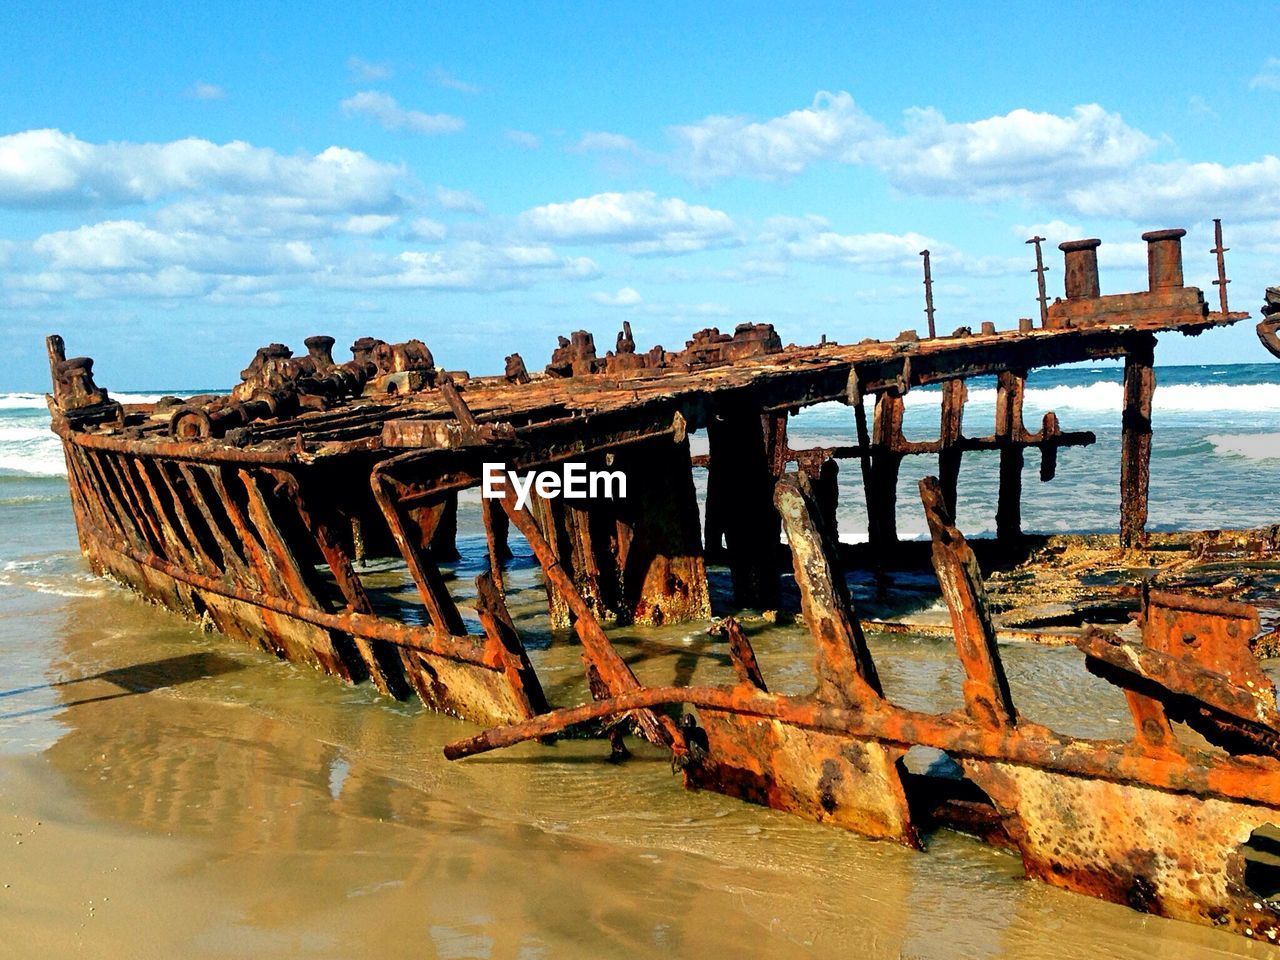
(179, 185)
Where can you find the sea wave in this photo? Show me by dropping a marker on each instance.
(1251, 446)
(35, 401)
(1105, 395)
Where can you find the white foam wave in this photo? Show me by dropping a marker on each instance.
(1105, 396)
(22, 401)
(1251, 446)
(32, 452)
(35, 401)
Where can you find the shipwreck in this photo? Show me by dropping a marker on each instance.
(255, 511)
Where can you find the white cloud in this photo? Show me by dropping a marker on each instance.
(625, 297)
(642, 222)
(1088, 162)
(363, 71)
(1022, 153)
(467, 266)
(369, 224)
(876, 250)
(128, 245)
(522, 138)
(1268, 78)
(602, 142)
(450, 82)
(207, 91)
(459, 201)
(1185, 192)
(52, 168)
(720, 146)
(427, 230)
(387, 113)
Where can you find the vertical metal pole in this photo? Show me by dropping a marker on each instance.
(1039, 272)
(928, 293)
(1219, 249)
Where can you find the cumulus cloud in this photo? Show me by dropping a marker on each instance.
(1182, 191)
(363, 71)
(207, 91)
(1087, 162)
(129, 245)
(384, 110)
(53, 168)
(1019, 152)
(641, 222)
(833, 126)
(459, 201)
(625, 297)
(1268, 78)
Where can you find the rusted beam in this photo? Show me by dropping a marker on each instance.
(986, 689)
(597, 650)
(505, 644)
(950, 434)
(846, 672)
(1010, 393)
(1135, 439)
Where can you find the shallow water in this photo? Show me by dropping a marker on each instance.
(165, 793)
(170, 793)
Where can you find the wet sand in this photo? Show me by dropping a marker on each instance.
(166, 793)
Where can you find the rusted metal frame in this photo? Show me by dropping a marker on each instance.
(855, 396)
(462, 649)
(279, 567)
(955, 393)
(1184, 770)
(495, 536)
(544, 515)
(597, 650)
(257, 556)
(1184, 689)
(119, 466)
(658, 564)
(239, 565)
(181, 515)
(845, 669)
(194, 451)
(382, 660)
(382, 663)
(86, 485)
(110, 496)
(456, 470)
(741, 654)
(986, 689)
(506, 646)
(440, 606)
(79, 497)
(124, 517)
(1011, 389)
(886, 460)
(172, 531)
(1211, 632)
(1135, 438)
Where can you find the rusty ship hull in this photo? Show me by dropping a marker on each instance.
(252, 512)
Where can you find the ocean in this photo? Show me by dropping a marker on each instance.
(167, 792)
